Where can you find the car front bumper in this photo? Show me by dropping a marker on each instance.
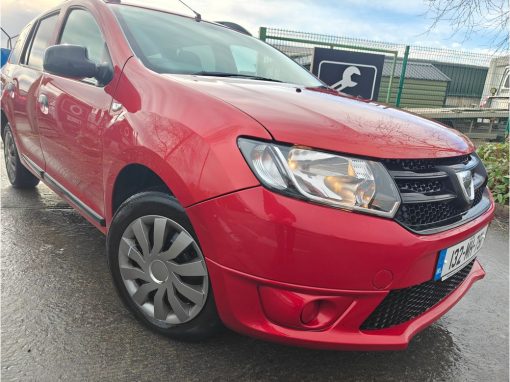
(308, 275)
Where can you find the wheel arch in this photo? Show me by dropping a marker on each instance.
(133, 179)
(145, 171)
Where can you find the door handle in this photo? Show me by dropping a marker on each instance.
(43, 103)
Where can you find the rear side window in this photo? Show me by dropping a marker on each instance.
(81, 29)
(20, 43)
(41, 41)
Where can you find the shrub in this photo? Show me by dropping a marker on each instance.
(495, 158)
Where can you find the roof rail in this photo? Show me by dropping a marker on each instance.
(112, 1)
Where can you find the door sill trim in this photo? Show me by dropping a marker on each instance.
(35, 168)
(81, 205)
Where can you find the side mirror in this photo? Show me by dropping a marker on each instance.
(493, 91)
(73, 61)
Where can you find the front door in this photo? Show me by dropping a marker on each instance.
(72, 123)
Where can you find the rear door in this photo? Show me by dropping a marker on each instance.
(24, 80)
(9, 74)
(72, 124)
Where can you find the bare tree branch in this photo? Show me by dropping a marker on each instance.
(473, 16)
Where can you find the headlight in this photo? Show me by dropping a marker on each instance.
(321, 177)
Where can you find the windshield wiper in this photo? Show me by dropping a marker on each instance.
(237, 75)
(258, 78)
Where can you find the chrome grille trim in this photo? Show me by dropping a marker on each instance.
(432, 198)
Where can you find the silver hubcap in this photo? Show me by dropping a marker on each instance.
(10, 156)
(163, 269)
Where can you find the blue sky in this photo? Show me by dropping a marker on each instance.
(399, 21)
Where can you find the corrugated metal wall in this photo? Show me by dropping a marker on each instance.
(466, 80)
(416, 93)
(466, 86)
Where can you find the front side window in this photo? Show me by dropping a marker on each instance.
(168, 43)
(41, 41)
(82, 29)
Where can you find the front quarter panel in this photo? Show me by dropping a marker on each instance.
(189, 139)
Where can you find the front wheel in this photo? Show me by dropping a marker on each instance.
(18, 175)
(158, 267)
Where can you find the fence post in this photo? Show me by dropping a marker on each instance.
(262, 33)
(402, 76)
(390, 82)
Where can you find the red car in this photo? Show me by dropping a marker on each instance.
(235, 188)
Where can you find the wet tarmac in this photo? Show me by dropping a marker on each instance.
(61, 319)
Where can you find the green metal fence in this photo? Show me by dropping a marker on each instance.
(444, 84)
(300, 46)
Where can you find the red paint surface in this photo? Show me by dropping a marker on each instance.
(185, 129)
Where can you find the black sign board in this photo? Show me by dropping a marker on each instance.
(354, 73)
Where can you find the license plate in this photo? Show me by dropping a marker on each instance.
(454, 258)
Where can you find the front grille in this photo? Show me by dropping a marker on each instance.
(430, 192)
(422, 214)
(402, 305)
(425, 164)
(420, 186)
(478, 195)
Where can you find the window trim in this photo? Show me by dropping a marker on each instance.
(27, 49)
(23, 43)
(61, 32)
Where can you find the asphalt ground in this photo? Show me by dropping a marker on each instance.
(61, 318)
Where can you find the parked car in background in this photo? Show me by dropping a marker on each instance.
(235, 188)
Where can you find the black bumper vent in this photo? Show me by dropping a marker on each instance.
(402, 305)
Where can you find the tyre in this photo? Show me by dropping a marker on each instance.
(158, 268)
(18, 175)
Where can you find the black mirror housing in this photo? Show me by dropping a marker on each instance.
(73, 61)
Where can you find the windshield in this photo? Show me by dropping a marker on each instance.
(168, 43)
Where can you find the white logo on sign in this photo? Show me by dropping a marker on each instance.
(346, 81)
(347, 77)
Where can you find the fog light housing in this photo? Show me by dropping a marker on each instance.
(310, 312)
(302, 311)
